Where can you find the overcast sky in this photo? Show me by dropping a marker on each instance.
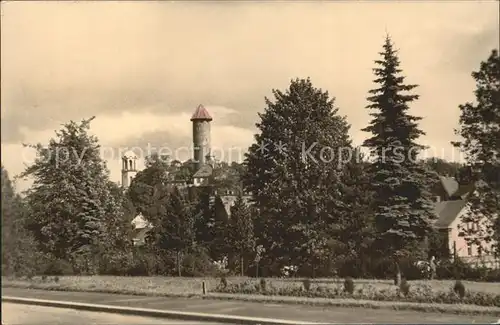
(142, 67)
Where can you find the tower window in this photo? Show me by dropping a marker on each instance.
(469, 249)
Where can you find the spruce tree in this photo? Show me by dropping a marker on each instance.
(71, 200)
(176, 228)
(292, 171)
(241, 236)
(217, 229)
(403, 207)
(480, 131)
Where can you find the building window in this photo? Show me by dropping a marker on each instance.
(469, 249)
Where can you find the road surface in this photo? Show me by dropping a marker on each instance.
(252, 309)
(17, 314)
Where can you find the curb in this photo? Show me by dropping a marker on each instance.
(455, 309)
(170, 314)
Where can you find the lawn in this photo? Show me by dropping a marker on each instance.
(192, 286)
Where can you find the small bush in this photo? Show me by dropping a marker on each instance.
(420, 293)
(56, 279)
(404, 287)
(44, 277)
(307, 284)
(492, 276)
(223, 282)
(263, 284)
(58, 267)
(459, 289)
(349, 285)
(198, 263)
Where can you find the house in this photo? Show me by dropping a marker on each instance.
(450, 206)
(141, 228)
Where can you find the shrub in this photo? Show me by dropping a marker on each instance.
(223, 282)
(307, 284)
(56, 279)
(492, 276)
(459, 270)
(58, 267)
(420, 293)
(404, 287)
(459, 289)
(44, 277)
(198, 263)
(349, 285)
(263, 284)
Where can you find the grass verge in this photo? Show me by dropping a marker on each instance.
(191, 288)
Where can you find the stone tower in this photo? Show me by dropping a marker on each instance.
(201, 136)
(129, 168)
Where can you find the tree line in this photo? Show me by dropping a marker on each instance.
(316, 201)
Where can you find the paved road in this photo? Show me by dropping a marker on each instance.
(17, 314)
(280, 311)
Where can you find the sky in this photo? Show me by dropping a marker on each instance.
(142, 68)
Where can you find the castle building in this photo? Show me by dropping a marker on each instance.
(202, 167)
(201, 137)
(202, 159)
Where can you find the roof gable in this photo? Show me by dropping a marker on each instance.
(447, 212)
(204, 172)
(450, 185)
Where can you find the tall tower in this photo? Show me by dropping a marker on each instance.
(129, 168)
(201, 136)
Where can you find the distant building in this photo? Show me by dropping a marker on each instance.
(129, 168)
(450, 206)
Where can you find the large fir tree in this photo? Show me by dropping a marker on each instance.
(402, 203)
(480, 131)
(292, 170)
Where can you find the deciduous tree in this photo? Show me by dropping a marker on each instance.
(20, 254)
(480, 131)
(71, 201)
(293, 169)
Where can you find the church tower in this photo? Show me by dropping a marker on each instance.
(201, 136)
(129, 168)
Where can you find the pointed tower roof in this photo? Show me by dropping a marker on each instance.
(201, 114)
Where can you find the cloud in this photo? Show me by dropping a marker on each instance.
(144, 133)
(142, 67)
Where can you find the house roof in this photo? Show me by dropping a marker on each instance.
(464, 190)
(204, 172)
(201, 114)
(450, 185)
(447, 212)
(139, 222)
